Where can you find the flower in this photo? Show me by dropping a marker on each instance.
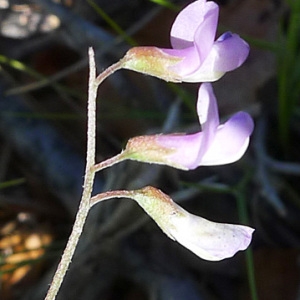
(208, 240)
(195, 55)
(215, 145)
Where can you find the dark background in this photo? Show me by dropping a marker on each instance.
(122, 253)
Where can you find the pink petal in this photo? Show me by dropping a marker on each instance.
(186, 24)
(205, 34)
(231, 140)
(189, 64)
(228, 52)
(192, 147)
(193, 34)
(209, 240)
(196, 72)
(207, 110)
(187, 148)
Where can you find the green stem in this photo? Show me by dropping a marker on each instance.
(239, 193)
(287, 58)
(251, 274)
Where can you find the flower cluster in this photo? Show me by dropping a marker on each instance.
(195, 56)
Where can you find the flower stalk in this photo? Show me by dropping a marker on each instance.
(109, 162)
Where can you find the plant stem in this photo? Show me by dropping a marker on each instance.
(112, 194)
(109, 162)
(107, 72)
(239, 193)
(88, 178)
(251, 274)
(287, 59)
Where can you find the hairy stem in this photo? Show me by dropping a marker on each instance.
(112, 194)
(89, 176)
(109, 71)
(109, 162)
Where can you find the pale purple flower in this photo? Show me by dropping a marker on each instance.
(216, 144)
(195, 55)
(208, 240)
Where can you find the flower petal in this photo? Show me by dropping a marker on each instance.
(230, 142)
(208, 240)
(228, 53)
(186, 24)
(186, 149)
(207, 110)
(188, 65)
(190, 149)
(205, 33)
(192, 35)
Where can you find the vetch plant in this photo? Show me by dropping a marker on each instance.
(196, 57)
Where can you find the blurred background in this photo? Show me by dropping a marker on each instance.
(122, 253)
